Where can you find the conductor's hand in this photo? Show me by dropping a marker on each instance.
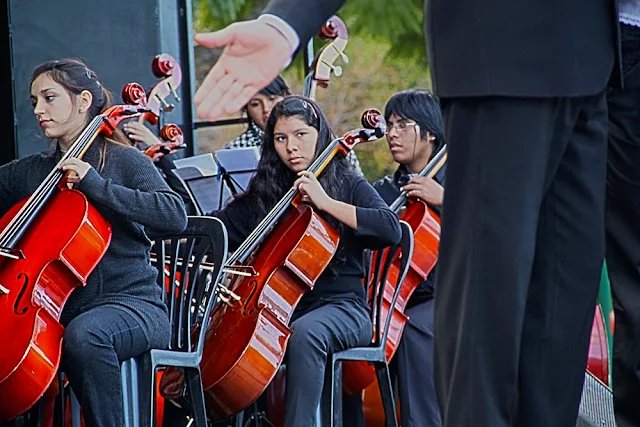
(253, 56)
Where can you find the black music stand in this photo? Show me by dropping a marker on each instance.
(237, 166)
(211, 191)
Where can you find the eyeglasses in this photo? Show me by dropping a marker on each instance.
(400, 126)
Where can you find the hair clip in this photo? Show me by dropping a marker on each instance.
(306, 106)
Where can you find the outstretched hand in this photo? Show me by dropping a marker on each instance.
(253, 56)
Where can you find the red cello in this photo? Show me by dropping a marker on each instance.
(247, 337)
(323, 63)
(360, 376)
(165, 67)
(49, 244)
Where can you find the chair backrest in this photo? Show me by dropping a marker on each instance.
(381, 264)
(189, 270)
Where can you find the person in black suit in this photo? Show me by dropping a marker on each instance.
(623, 211)
(522, 89)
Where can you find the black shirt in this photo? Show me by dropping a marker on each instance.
(389, 189)
(378, 227)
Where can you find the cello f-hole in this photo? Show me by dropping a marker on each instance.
(16, 306)
(246, 310)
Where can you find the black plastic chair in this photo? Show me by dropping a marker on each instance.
(191, 262)
(375, 353)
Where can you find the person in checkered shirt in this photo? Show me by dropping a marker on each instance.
(258, 109)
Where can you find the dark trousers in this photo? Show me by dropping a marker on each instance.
(623, 231)
(521, 253)
(94, 344)
(413, 366)
(334, 326)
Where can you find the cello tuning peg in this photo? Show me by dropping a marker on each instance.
(337, 70)
(165, 107)
(175, 94)
(342, 55)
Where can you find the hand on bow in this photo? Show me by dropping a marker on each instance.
(254, 54)
(311, 190)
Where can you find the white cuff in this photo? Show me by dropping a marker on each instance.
(283, 28)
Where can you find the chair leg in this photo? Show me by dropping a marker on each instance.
(239, 419)
(137, 379)
(337, 393)
(386, 391)
(76, 415)
(194, 382)
(324, 414)
(62, 399)
(330, 407)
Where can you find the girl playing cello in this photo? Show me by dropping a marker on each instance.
(119, 313)
(333, 316)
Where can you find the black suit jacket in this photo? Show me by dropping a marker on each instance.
(528, 48)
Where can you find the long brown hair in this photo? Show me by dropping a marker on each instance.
(75, 76)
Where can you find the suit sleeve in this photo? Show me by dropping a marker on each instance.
(306, 17)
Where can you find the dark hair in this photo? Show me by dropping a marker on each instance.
(422, 107)
(75, 76)
(273, 178)
(277, 87)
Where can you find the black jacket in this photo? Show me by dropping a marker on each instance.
(524, 48)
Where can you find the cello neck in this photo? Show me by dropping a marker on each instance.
(429, 171)
(25, 216)
(375, 127)
(261, 230)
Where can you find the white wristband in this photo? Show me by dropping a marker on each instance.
(283, 28)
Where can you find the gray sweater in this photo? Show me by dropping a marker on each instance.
(131, 195)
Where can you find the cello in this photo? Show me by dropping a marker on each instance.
(426, 230)
(36, 279)
(323, 63)
(277, 263)
(164, 67)
(425, 224)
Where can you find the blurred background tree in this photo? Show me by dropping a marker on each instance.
(386, 54)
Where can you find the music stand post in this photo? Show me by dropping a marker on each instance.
(211, 191)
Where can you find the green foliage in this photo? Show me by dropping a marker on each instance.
(386, 54)
(398, 22)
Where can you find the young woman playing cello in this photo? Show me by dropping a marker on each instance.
(119, 313)
(333, 316)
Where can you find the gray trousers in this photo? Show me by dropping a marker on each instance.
(335, 326)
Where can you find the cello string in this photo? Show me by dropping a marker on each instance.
(26, 213)
(430, 169)
(252, 240)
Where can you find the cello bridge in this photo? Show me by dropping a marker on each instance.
(226, 295)
(4, 290)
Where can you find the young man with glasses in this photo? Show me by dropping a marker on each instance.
(414, 135)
